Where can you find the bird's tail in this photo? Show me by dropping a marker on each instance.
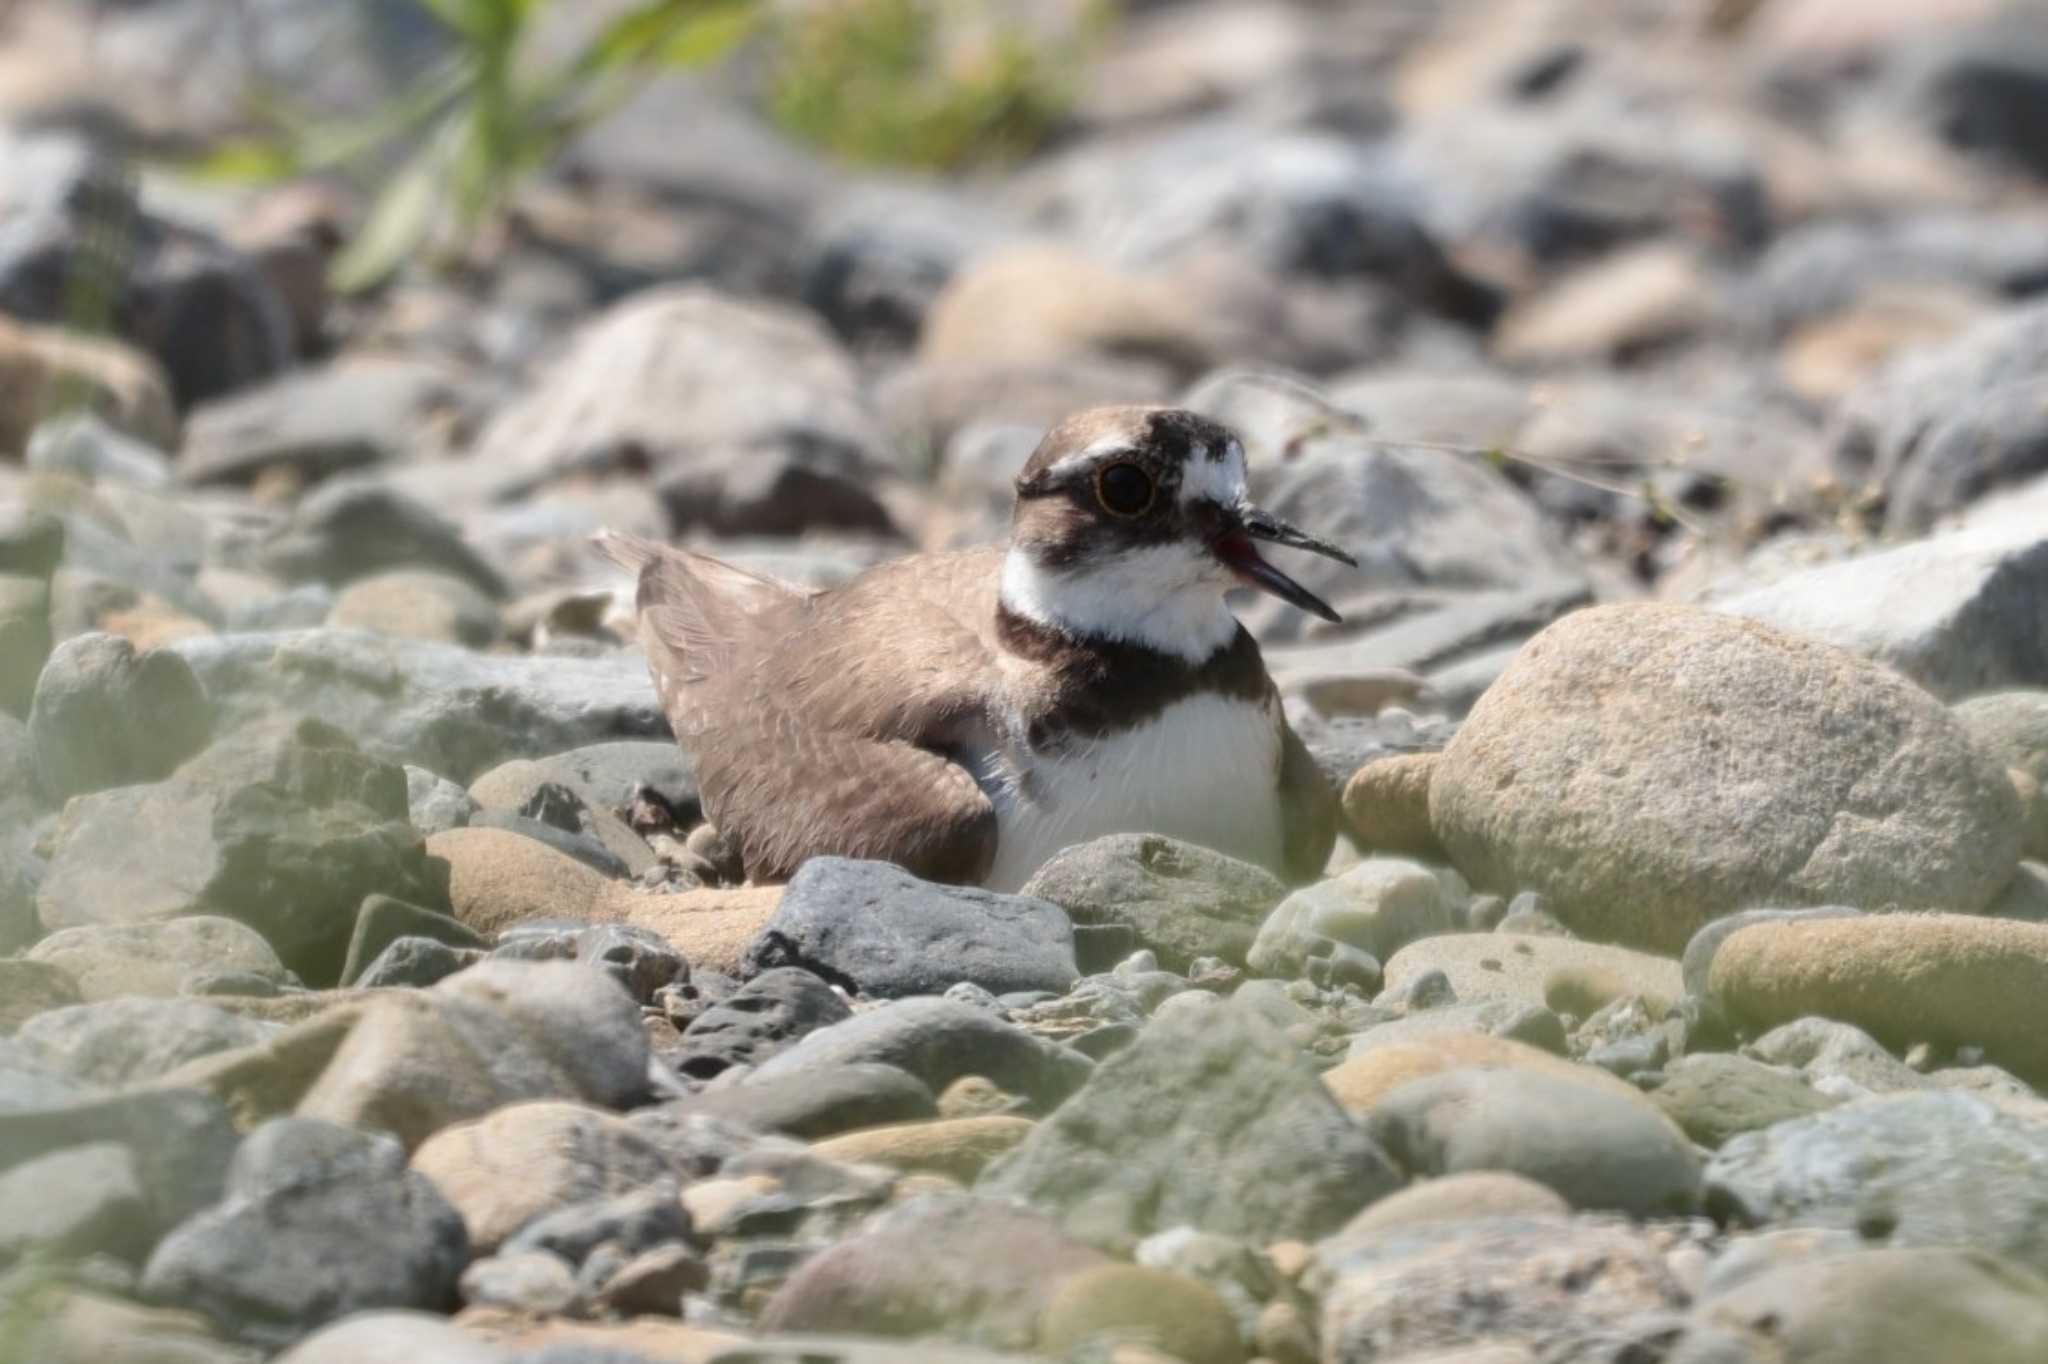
(694, 610)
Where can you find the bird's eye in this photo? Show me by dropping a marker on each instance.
(1125, 490)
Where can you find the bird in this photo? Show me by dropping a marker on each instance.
(969, 714)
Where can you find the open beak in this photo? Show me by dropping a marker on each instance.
(1237, 550)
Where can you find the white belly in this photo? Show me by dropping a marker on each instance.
(1205, 770)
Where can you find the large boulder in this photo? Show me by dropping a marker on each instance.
(1181, 900)
(449, 710)
(319, 1221)
(884, 933)
(749, 414)
(1925, 1169)
(103, 716)
(1211, 1119)
(1959, 613)
(1651, 767)
(286, 829)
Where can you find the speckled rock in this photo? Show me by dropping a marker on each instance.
(1876, 1307)
(1716, 1095)
(1561, 779)
(1223, 1092)
(1530, 969)
(1178, 899)
(1923, 1169)
(1537, 1282)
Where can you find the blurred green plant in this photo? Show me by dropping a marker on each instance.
(479, 121)
(929, 83)
(30, 1293)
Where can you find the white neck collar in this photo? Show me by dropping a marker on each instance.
(1121, 599)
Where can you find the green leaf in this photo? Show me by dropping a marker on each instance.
(249, 160)
(398, 224)
(707, 37)
(669, 32)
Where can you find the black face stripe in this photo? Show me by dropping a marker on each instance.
(1176, 434)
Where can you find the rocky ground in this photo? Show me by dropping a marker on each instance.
(1679, 994)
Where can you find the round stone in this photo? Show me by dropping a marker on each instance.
(1649, 767)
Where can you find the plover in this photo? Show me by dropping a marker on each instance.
(969, 714)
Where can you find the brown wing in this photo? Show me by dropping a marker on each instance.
(1308, 811)
(783, 791)
(820, 722)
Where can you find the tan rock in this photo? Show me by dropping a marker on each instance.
(658, 1340)
(418, 604)
(497, 878)
(1904, 978)
(1386, 804)
(976, 1096)
(1826, 358)
(1651, 767)
(1290, 1259)
(1624, 302)
(1038, 305)
(1533, 969)
(710, 927)
(497, 1033)
(42, 368)
(1177, 1314)
(153, 622)
(512, 785)
(1359, 1083)
(955, 1147)
(1483, 1193)
(525, 1159)
(713, 1204)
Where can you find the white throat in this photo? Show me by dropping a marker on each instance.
(1167, 597)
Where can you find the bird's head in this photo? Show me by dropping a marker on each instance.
(1133, 522)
